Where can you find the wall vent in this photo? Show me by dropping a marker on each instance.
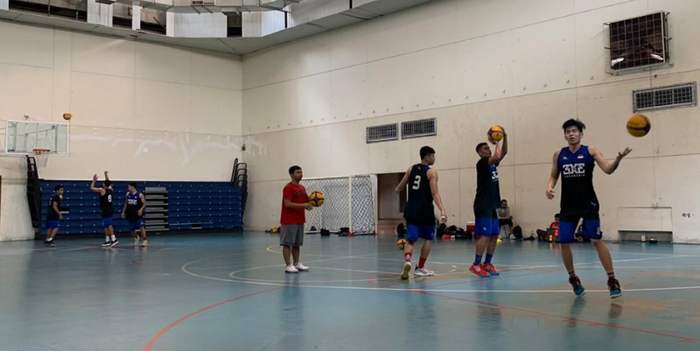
(681, 95)
(385, 132)
(420, 128)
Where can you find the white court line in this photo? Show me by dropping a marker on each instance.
(57, 249)
(584, 249)
(521, 267)
(598, 262)
(452, 272)
(184, 270)
(362, 257)
(357, 270)
(393, 277)
(233, 274)
(644, 267)
(516, 267)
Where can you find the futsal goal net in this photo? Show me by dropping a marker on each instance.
(349, 203)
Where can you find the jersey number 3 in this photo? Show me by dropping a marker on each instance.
(416, 183)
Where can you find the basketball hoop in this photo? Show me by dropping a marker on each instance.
(42, 157)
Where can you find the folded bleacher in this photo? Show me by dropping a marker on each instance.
(191, 206)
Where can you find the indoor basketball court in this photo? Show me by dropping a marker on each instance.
(349, 175)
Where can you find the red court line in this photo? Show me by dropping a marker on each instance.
(589, 322)
(172, 325)
(371, 282)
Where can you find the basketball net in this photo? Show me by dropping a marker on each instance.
(42, 157)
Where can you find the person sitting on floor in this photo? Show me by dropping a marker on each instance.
(542, 234)
(504, 217)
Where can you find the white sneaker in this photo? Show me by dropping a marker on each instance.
(422, 272)
(136, 241)
(406, 269)
(300, 267)
(144, 243)
(291, 269)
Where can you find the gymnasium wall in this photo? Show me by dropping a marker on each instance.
(527, 65)
(142, 111)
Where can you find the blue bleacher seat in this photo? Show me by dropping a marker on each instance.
(214, 205)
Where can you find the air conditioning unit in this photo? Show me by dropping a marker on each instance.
(236, 3)
(278, 3)
(202, 2)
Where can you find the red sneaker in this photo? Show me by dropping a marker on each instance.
(490, 268)
(479, 271)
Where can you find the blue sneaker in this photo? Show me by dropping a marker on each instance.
(579, 290)
(614, 286)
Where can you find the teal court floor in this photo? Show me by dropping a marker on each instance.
(229, 292)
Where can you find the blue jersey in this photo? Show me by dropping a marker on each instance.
(577, 193)
(133, 204)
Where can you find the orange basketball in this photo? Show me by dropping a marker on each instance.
(638, 126)
(316, 199)
(496, 133)
(67, 116)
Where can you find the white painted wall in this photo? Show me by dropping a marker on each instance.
(527, 65)
(16, 224)
(143, 111)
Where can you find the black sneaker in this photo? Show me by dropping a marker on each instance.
(579, 290)
(614, 286)
(50, 243)
(107, 244)
(114, 243)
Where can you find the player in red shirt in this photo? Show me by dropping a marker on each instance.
(542, 234)
(295, 201)
(555, 224)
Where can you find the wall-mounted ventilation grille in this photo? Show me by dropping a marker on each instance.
(384, 132)
(638, 43)
(421, 128)
(682, 95)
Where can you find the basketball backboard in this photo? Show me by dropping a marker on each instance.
(23, 137)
